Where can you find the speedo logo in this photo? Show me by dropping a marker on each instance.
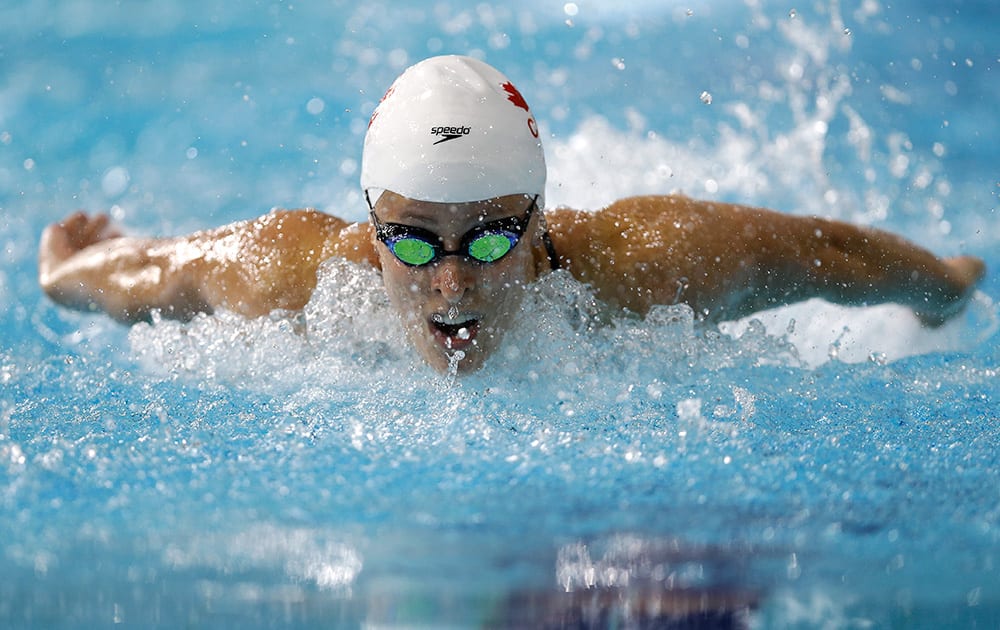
(450, 133)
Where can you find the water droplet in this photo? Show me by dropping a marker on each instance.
(453, 361)
(794, 570)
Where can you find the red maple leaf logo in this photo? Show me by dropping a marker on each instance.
(514, 96)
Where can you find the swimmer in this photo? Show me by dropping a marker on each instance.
(454, 176)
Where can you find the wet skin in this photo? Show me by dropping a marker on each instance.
(723, 260)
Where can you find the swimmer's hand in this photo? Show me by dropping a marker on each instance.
(964, 273)
(59, 252)
(63, 239)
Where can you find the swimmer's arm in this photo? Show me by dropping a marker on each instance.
(251, 267)
(84, 264)
(796, 258)
(727, 261)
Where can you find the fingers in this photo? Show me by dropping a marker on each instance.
(80, 230)
(56, 243)
(969, 270)
(65, 238)
(966, 272)
(85, 231)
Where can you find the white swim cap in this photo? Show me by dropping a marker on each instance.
(453, 129)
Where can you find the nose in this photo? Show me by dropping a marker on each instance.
(452, 278)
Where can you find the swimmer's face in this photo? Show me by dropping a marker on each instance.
(456, 309)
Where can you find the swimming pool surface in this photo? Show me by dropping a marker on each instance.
(835, 467)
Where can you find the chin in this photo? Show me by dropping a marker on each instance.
(471, 362)
(441, 360)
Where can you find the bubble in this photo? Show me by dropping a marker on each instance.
(348, 166)
(115, 181)
(398, 58)
(315, 106)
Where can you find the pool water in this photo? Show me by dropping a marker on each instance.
(818, 466)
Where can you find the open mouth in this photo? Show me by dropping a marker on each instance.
(454, 334)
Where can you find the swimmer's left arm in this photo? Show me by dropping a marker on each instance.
(857, 265)
(727, 261)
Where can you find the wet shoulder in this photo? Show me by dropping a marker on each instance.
(317, 235)
(630, 221)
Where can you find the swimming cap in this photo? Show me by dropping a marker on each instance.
(453, 129)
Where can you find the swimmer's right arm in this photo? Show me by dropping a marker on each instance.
(250, 267)
(84, 263)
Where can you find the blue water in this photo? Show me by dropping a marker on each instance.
(837, 465)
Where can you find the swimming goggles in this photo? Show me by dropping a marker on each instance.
(485, 243)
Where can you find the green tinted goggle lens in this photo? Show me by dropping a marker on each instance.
(484, 248)
(413, 251)
(490, 247)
